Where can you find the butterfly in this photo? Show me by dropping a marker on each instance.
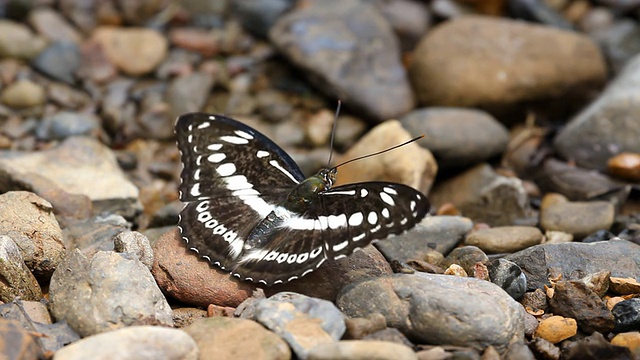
(249, 209)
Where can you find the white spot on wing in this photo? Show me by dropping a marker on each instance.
(226, 169)
(237, 182)
(216, 158)
(346, 192)
(385, 213)
(214, 147)
(341, 245)
(356, 219)
(412, 205)
(204, 125)
(244, 134)
(196, 174)
(276, 165)
(363, 192)
(234, 140)
(389, 190)
(336, 221)
(262, 153)
(372, 218)
(386, 198)
(359, 237)
(298, 223)
(195, 190)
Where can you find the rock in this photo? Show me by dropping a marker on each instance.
(627, 315)
(96, 65)
(410, 165)
(361, 349)
(535, 300)
(598, 282)
(595, 347)
(60, 61)
(18, 282)
(467, 257)
(94, 234)
(625, 165)
(483, 196)
(134, 342)
(544, 349)
(135, 243)
(409, 20)
(135, 51)
(358, 328)
(577, 218)
(25, 311)
(587, 138)
(575, 260)
(303, 322)
(82, 14)
(80, 165)
(329, 279)
(191, 280)
(43, 19)
(572, 298)
(23, 94)
(108, 292)
(67, 96)
(390, 335)
(431, 301)
(556, 328)
(442, 233)
(230, 338)
(623, 286)
(29, 221)
(188, 93)
(259, 16)
(197, 40)
(17, 41)
(508, 276)
(462, 63)
(275, 106)
(66, 124)
(17, 343)
(457, 137)
(518, 351)
(504, 239)
(556, 237)
(356, 58)
(630, 340)
(618, 39)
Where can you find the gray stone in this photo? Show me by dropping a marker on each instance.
(66, 123)
(362, 350)
(17, 279)
(606, 127)
(108, 292)
(509, 277)
(135, 243)
(467, 257)
(94, 234)
(303, 322)
(456, 136)
(504, 239)
(439, 309)
(350, 52)
(579, 218)
(575, 260)
(134, 342)
(60, 61)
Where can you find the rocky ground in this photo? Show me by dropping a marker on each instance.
(531, 159)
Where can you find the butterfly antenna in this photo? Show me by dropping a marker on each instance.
(333, 133)
(380, 152)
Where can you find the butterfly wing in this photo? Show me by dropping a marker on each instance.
(347, 218)
(233, 177)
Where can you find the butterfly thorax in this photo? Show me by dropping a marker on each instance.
(305, 193)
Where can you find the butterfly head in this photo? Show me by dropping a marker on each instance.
(328, 177)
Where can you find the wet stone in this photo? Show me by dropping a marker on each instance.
(107, 292)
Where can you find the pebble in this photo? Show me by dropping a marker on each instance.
(504, 239)
(509, 277)
(259, 16)
(630, 340)
(66, 124)
(483, 196)
(362, 349)
(303, 322)
(578, 218)
(23, 94)
(467, 257)
(626, 166)
(573, 299)
(196, 40)
(43, 19)
(135, 243)
(187, 278)
(544, 349)
(627, 315)
(624, 286)
(29, 221)
(17, 343)
(603, 129)
(17, 41)
(434, 300)
(134, 51)
(18, 282)
(574, 260)
(358, 328)
(185, 316)
(134, 342)
(556, 328)
(357, 56)
(232, 338)
(594, 344)
(410, 165)
(186, 94)
(105, 293)
(94, 234)
(60, 61)
(556, 237)
(457, 137)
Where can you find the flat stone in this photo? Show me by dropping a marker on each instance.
(579, 218)
(362, 350)
(504, 239)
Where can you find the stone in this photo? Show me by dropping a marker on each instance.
(23, 94)
(544, 349)
(94, 234)
(410, 165)
(433, 233)
(43, 19)
(303, 322)
(231, 338)
(575, 260)
(462, 63)
(431, 301)
(624, 286)
(79, 165)
(66, 124)
(358, 328)
(577, 218)
(135, 51)
(191, 280)
(134, 342)
(105, 293)
(508, 276)
(458, 137)
(362, 350)
(595, 347)
(483, 196)
(17, 41)
(60, 61)
(135, 243)
(573, 299)
(357, 57)
(587, 137)
(17, 343)
(556, 328)
(467, 257)
(504, 239)
(259, 16)
(29, 221)
(18, 281)
(630, 340)
(625, 165)
(188, 93)
(627, 315)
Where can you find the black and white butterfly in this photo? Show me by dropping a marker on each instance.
(250, 210)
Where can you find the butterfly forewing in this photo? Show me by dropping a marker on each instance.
(238, 213)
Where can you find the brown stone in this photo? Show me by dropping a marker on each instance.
(556, 328)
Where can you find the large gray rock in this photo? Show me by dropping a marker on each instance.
(436, 309)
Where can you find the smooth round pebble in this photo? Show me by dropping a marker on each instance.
(556, 328)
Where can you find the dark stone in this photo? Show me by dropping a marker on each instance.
(600, 235)
(60, 61)
(595, 347)
(467, 257)
(544, 349)
(508, 276)
(574, 299)
(258, 16)
(17, 343)
(391, 335)
(627, 315)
